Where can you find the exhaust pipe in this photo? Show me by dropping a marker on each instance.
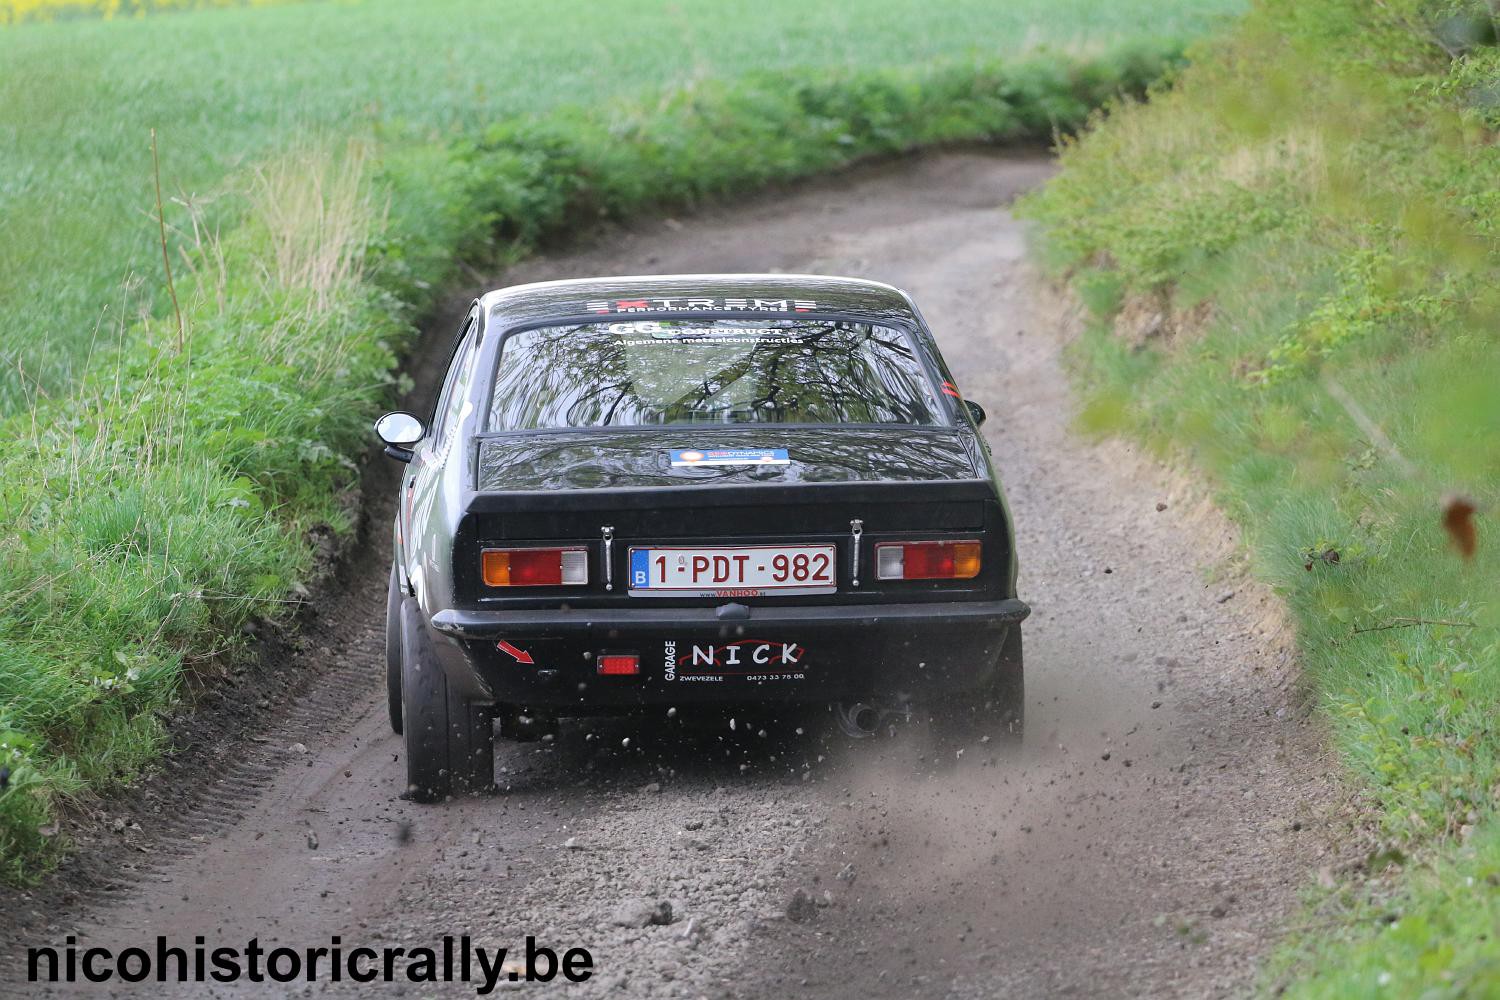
(858, 720)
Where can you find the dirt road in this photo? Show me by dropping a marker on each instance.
(1166, 806)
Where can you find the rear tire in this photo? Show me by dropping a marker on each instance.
(393, 649)
(450, 744)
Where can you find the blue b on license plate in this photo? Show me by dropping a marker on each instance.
(740, 571)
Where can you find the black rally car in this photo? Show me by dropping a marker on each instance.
(689, 490)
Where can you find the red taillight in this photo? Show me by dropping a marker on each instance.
(534, 567)
(619, 664)
(927, 560)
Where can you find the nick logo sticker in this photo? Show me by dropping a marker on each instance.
(752, 659)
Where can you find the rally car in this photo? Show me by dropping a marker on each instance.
(695, 490)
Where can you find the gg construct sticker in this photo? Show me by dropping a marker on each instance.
(705, 457)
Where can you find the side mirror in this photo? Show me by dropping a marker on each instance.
(976, 412)
(399, 432)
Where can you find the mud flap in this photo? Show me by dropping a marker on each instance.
(449, 743)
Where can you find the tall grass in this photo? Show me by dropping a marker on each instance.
(1294, 255)
(162, 503)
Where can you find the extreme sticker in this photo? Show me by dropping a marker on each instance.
(692, 458)
(698, 304)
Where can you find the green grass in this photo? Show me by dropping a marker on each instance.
(1315, 206)
(1435, 937)
(24, 11)
(228, 88)
(340, 163)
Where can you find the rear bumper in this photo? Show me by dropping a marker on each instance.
(695, 656)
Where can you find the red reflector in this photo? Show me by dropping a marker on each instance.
(619, 664)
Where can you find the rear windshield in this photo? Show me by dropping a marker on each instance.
(705, 371)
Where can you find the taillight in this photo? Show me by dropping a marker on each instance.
(619, 664)
(927, 560)
(534, 567)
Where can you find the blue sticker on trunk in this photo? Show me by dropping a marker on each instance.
(700, 457)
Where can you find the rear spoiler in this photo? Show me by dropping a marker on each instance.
(749, 494)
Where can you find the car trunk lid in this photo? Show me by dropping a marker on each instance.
(569, 487)
(685, 457)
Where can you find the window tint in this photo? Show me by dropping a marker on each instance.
(653, 372)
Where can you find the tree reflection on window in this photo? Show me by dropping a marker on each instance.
(674, 372)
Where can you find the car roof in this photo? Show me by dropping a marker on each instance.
(784, 294)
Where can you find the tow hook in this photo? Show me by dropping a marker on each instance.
(608, 534)
(856, 531)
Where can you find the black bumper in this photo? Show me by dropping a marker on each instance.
(700, 655)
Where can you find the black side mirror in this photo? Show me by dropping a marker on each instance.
(399, 432)
(976, 412)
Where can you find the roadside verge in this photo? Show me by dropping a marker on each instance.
(1290, 257)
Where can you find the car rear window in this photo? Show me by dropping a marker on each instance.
(706, 371)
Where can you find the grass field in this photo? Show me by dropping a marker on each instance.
(34, 11)
(326, 166)
(1294, 260)
(228, 88)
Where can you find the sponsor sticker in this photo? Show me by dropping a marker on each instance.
(753, 660)
(693, 303)
(691, 458)
(649, 333)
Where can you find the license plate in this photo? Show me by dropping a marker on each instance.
(741, 571)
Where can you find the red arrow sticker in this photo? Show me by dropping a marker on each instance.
(520, 655)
